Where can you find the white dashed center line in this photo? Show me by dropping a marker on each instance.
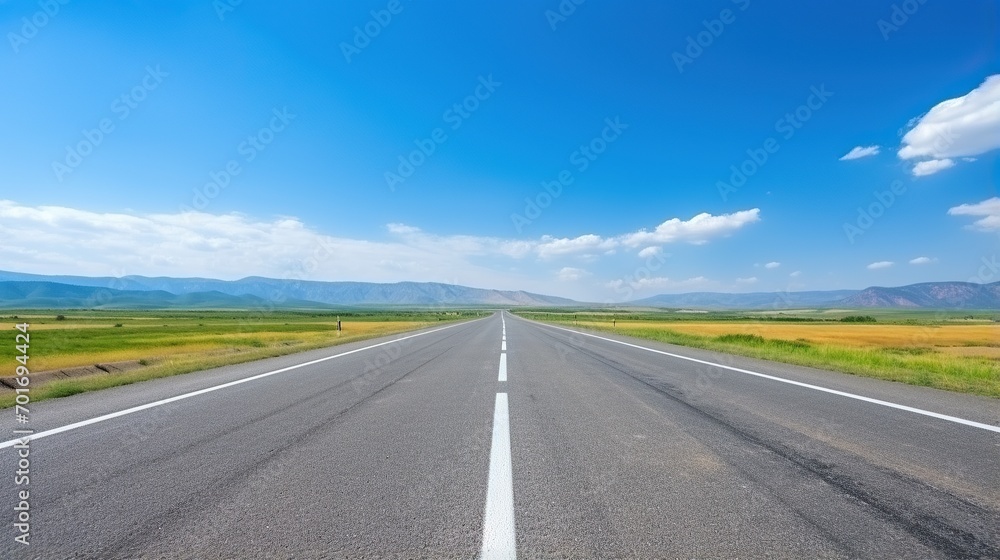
(498, 518)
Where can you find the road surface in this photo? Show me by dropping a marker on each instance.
(503, 436)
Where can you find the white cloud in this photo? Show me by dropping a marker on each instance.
(859, 152)
(515, 249)
(661, 283)
(650, 252)
(772, 265)
(570, 274)
(697, 230)
(931, 166)
(880, 265)
(796, 274)
(401, 229)
(550, 247)
(62, 240)
(922, 260)
(750, 280)
(960, 127)
(989, 210)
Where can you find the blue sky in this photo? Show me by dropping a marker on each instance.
(267, 139)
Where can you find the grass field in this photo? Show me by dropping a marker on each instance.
(952, 351)
(173, 342)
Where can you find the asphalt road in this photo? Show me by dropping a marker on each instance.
(589, 448)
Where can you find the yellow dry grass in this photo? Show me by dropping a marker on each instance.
(841, 334)
(953, 357)
(980, 340)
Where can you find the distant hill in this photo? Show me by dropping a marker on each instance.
(936, 295)
(928, 295)
(755, 300)
(19, 290)
(301, 293)
(64, 296)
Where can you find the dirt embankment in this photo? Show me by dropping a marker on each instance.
(8, 384)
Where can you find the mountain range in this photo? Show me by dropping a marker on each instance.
(927, 295)
(126, 292)
(53, 295)
(20, 290)
(936, 295)
(753, 300)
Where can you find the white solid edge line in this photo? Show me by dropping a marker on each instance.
(503, 368)
(109, 416)
(499, 539)
(939, 416)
